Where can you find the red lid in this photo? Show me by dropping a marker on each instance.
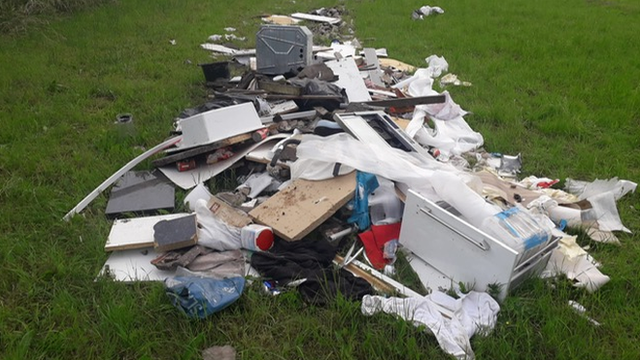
(264, 241)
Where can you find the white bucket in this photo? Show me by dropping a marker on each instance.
(256, 237)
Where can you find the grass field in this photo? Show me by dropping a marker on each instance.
(556, 81)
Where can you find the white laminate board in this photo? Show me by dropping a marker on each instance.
(349, 78)
(316, 18)
(218, 124)
(135, 233)
(134, 265)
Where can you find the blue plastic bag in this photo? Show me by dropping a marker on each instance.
(200, 297)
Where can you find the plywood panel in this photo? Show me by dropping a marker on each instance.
(299, 208)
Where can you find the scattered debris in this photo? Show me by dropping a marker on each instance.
(426, 11)
(314, 149)
(582, 311)
(452, 79)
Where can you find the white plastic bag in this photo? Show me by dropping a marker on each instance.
(213, 232)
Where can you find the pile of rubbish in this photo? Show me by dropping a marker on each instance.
(344, 159)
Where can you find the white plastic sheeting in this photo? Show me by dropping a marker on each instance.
(602, 195)
(473, 313)
(316, 170)
(430, 178)
(436, 64)
(213, 232)
(451, 134)
(585, 190)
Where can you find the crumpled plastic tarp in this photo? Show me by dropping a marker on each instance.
(199, 297)
(473, 313)
(436, 64)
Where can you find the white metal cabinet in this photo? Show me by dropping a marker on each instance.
(461, 251)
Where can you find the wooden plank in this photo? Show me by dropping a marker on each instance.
(408, 101)
(397, 64)
(169, 159)
(228, 213)
(299, 208)
(316, 18)
(136, 233)
(372, 280)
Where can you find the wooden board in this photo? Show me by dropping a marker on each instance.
(402, 123)
(136, 233)
(228, 213)
(299, 208)
(397, 64)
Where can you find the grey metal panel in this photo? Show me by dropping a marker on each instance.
(281, 48)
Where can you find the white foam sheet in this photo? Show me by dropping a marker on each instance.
(191, 178)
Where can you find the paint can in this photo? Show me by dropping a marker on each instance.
(256, 237)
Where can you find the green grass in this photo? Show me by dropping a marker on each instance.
(555, 81)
